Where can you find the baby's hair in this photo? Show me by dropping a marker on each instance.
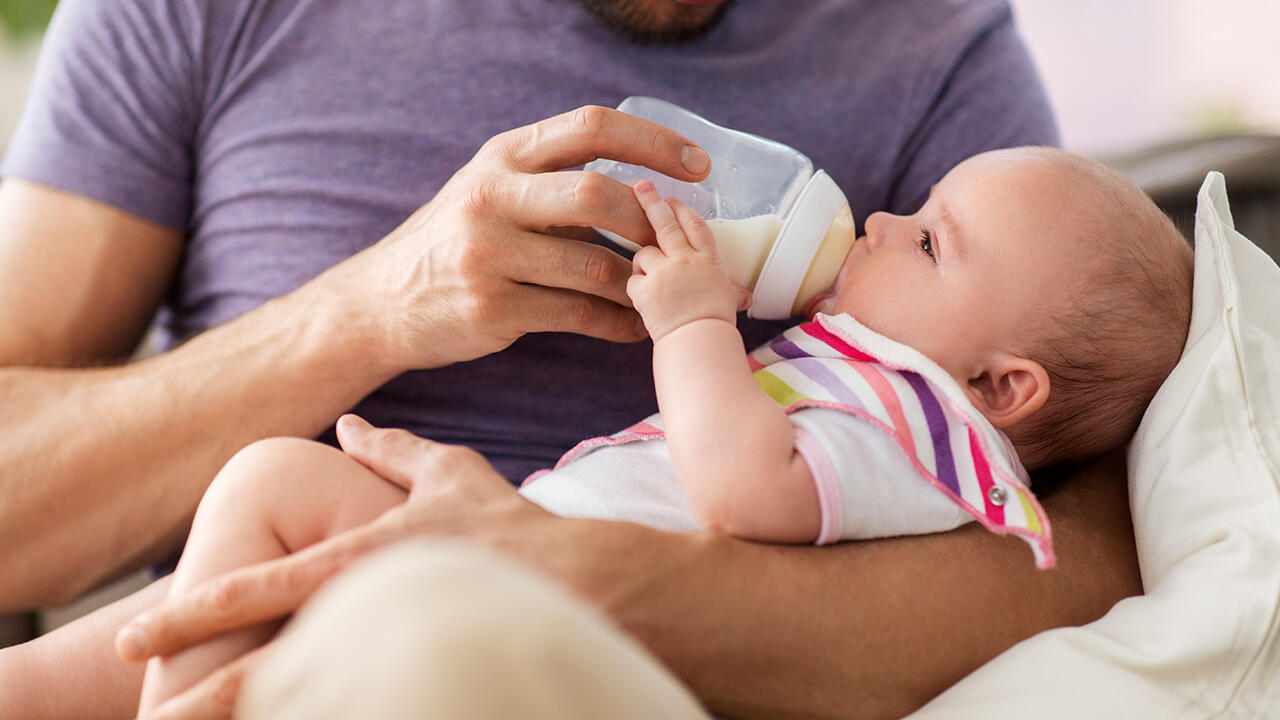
(1110, 347)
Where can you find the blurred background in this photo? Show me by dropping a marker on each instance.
(1127, 74)
(1122, 74)
(1162, 90)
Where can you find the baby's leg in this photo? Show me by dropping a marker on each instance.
(73, 672)
(274, 497)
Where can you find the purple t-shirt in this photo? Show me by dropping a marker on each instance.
(284, 136)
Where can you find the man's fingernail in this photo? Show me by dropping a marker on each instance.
(353, 424)
(694, 159)
(131, 643)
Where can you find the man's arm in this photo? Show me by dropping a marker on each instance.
(870, 629)
(63, 260)
(102, 467)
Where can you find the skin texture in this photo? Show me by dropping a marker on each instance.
(34, 676)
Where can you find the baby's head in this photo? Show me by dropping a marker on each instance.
(1052, 289)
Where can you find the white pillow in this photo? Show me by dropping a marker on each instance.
(1205, 496)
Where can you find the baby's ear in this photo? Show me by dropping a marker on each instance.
(1009, 389)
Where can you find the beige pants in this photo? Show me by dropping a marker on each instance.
(447, 630)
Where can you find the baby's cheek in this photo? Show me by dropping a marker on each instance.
(859, 300)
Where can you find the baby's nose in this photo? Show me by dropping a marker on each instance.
(878, 225)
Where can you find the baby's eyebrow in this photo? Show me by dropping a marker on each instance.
(954, 241)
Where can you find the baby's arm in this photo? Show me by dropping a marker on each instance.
(273, 498)
(732, 447)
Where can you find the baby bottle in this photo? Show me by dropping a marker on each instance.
(781, 229)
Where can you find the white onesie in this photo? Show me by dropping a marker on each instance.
(892, 443)
(637, 483)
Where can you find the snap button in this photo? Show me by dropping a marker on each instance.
(997, 495)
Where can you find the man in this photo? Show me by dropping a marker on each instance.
(214, 158)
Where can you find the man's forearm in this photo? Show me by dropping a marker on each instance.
(103, 467)
(868, 629)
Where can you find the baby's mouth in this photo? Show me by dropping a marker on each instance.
(812, 308)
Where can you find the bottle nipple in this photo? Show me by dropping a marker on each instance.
(810, 248)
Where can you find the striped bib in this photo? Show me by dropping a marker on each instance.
(835, 362)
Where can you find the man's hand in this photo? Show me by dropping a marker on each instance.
(451, 490)
(478, 267)
(680, 279)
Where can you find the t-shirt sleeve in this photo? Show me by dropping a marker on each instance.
(982, 95)
(112, 108)
(867, 487)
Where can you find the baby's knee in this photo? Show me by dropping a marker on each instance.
(265, 468)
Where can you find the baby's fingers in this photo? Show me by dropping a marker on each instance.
(695, 228)
(671, 236)
(646, 260)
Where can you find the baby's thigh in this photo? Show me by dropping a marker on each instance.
(304, 490)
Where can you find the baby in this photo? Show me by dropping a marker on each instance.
(1023, 317)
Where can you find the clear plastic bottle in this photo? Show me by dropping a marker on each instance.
(782, 230)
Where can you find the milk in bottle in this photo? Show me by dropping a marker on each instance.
(781, 229)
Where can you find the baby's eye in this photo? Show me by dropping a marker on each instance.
(926, 244)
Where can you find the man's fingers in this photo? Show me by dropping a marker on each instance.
(569, 265)
(574, 197)
(573, 232)
(666, 226)
(243, 597)
(405, 458)
(556, 310)
(397, 455)
(582, 135)
(213, 698)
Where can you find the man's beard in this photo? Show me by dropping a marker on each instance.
(640, 22)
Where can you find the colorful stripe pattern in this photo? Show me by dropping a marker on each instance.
(836, 362)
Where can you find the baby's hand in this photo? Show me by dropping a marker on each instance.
(680, 279)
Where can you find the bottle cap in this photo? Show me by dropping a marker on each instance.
(794, 249)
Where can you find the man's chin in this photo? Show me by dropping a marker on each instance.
(657, 21)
